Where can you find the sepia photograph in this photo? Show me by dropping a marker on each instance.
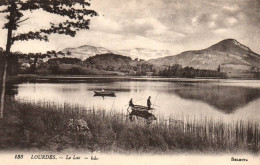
(130, 81)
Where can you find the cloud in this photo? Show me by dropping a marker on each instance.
(226, 22)
(103, 23)
(241, 16)
(220, 31)
(214, 16)
(232, 8)
(205, 19)
(212, 24)
(144, 27)
(194, 21)
(232, 20)
(152, 23)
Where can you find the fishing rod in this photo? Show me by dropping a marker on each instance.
(155, 98)
(135, 101)
(139, 100)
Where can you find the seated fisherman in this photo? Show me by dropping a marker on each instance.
(131, 104)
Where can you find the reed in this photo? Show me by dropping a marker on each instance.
(43, 126)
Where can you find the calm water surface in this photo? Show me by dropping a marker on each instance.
(225, 99)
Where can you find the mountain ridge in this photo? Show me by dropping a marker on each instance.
(231, 55)
(85, 51)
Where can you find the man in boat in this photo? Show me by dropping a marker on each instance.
(149, 103)
(103, 90)
(131, 104)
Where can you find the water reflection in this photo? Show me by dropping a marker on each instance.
(225, 98)
(69, 90)
(174, 98)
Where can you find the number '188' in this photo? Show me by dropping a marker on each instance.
(18, 156)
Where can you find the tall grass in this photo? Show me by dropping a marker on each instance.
(44, 127)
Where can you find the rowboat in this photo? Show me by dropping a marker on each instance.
(141, 108)
(143, 112)
(104, 93)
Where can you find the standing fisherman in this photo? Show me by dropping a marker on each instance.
(149, 103)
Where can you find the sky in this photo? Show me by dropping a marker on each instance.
(174, 25)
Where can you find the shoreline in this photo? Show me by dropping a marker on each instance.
(78, 78)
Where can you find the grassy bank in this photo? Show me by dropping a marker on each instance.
(43, 126)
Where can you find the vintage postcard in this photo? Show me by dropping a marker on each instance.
(130, 82)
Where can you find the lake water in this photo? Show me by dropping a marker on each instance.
(225, 99)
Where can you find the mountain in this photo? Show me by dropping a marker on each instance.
(232, 56)
(85, 51)
(143, 53)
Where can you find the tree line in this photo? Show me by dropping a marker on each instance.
(177, 70)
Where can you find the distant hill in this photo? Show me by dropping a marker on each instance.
(143, 53)
(86, 51)
(232, 56)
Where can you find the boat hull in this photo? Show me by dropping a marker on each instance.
(143, 112)
(141, 108)
(105, 93)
